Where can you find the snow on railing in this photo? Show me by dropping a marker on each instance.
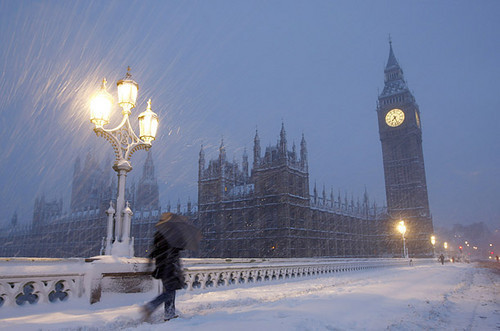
(31, 281)
(26, 281)
(20, 290)
(208, 277)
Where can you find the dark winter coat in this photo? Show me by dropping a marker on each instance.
(168, 264)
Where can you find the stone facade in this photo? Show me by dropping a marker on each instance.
(265, 211)
(81, 231)
(91, 185)
(148, 194)
(270, 213)
(45, 210)
(404, 170)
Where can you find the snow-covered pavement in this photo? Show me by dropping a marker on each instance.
(449, 297)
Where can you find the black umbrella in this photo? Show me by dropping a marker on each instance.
(178, 232)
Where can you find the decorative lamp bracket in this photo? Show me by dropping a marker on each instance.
(124, 141)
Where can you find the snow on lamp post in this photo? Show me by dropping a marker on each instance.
(125, 143)
(402, 230)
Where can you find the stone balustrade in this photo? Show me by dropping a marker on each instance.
(203, 277)
(24, 290)
(32, 281)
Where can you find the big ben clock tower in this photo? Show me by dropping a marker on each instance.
(401, 137)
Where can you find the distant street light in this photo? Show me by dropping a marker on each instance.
(402, 230)
(445, 245)
(433, 242)
(125, 143)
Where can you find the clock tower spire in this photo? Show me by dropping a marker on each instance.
(401, 137)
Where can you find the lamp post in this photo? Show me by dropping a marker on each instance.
(402, 230)
(433, 242)
(125, 143)
(445, 246)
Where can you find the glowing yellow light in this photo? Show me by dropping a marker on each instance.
(445, 245)
(148, 124)
(395, 117)
(402, 227)
(127, 92)
(100, 106)
(433, 240)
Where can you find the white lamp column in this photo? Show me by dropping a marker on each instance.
(125, 143)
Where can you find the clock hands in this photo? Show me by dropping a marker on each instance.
(394, 117)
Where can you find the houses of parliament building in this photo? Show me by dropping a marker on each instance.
(262, 209)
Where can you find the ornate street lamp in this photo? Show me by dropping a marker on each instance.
(402, 230)
(125, 143)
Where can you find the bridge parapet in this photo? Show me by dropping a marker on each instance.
(241, 272)
(26, 281)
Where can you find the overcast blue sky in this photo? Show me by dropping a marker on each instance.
(222, 68)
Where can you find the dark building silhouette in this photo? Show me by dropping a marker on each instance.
(81, 231)
(270, 212)
(265, 211)
(13, 220)
(94, 186)
(44, 211)
(148, 196)
(91, 185)
(401, 137)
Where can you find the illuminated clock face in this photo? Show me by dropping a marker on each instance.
(395, 117)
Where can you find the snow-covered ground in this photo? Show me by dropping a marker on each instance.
(450, 297)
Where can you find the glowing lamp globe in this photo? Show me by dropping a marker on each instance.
(127, 92)
(433, 240)
(100, 106)
(402, 227)
(148, 124)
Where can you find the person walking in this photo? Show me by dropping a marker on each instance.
(441, 259)
(169, 270)
(174, 234)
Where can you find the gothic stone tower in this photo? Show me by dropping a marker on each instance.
(281, 180)
(401, 137)
(147, 189)
(258, 215)
(91, 187)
